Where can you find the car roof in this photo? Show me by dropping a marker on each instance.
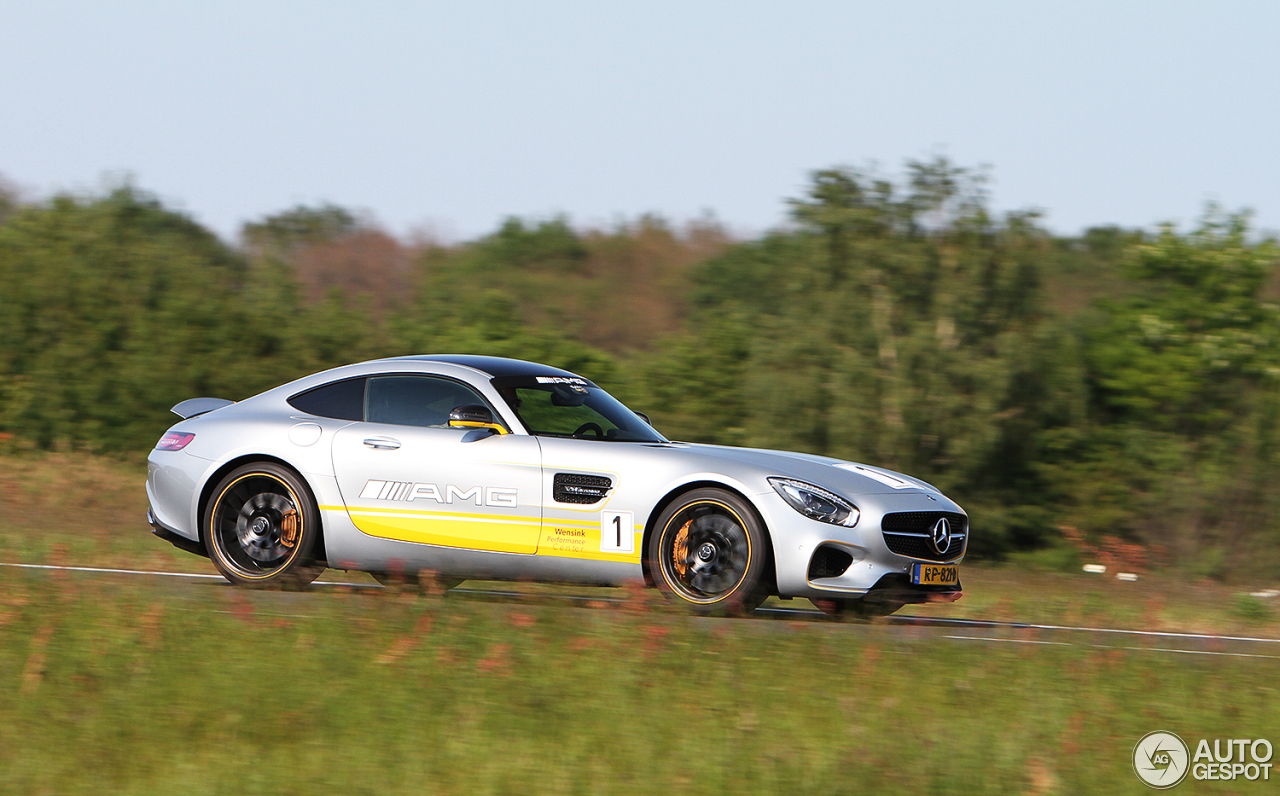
(493, 366)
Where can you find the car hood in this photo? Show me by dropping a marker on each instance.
(840, 476)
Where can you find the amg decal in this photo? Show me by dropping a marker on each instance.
(562, 380)
(495, 496)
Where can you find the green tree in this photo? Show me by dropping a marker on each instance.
(1178, 447)
(113, 310)
(895, 325)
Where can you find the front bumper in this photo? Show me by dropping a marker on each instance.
(874, 571)
(897, 588)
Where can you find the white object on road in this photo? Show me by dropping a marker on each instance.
(1096, 569)
(1126, 576)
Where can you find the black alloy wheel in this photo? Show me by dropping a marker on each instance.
(708, 553)
(260, 528)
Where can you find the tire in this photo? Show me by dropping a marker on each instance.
(856, 609)
(708, 553)
(261, 527)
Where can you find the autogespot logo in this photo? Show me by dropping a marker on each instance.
(1162, 759)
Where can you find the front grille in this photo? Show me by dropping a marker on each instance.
(575, 488)
(829, 562)
(908, 533)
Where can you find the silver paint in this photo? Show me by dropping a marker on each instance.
(340, 462)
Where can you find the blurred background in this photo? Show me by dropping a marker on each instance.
(1025, 251)
(1019, 251)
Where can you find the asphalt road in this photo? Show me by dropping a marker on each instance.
(959, 631)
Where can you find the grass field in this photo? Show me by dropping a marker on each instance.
(197, 688)
(91, 511)
(140, 686)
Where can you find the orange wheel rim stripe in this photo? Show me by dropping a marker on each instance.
(300, 527)
(745, 531)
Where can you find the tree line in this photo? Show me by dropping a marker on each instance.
(1120, 384)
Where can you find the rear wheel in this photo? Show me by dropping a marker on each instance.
(261, 526)
(708, 553)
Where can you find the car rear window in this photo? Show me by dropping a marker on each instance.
(343, 400)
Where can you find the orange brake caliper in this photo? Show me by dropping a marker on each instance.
(680, 549)
(289, 528)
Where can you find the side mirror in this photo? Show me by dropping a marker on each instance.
(642, 416)
(474, 416)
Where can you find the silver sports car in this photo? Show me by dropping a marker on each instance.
(473, 467)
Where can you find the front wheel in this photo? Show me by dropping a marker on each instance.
(261, 527)
(708, 553)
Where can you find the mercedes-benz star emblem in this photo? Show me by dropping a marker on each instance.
(941, 536)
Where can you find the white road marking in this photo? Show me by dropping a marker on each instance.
(903, 620)
(1025, 626)
(116, 571)
(170, 574)
(1012, 640)
(1109, 647)
(1189, 652)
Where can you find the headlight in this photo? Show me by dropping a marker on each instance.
(816, 503)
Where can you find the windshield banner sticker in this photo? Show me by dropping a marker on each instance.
(572, 381)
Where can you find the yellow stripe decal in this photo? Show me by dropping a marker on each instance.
(488, 532)
(492, 537)
(446, 518)
(574, 523)
(407, 512)
(453, 515)
(588, 551)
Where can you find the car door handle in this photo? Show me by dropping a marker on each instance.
(382, 443)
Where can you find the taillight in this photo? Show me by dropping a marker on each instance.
(174, 441)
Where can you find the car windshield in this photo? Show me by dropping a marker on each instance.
(563, 406)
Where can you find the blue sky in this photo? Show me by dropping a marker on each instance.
(450, 116)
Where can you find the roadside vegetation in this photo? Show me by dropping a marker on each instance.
(1114, 391)
(145, 685)
(162, 687)
(90, 511)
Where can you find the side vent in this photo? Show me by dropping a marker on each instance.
(574, 488)
(829, 562)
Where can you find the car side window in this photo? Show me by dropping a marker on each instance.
(343, 400)
(416, 400)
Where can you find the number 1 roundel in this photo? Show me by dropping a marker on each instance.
(617, 532)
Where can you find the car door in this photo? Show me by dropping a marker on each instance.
(599, 495)
(405, 475)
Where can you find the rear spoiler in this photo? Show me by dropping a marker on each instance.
(199, 406)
